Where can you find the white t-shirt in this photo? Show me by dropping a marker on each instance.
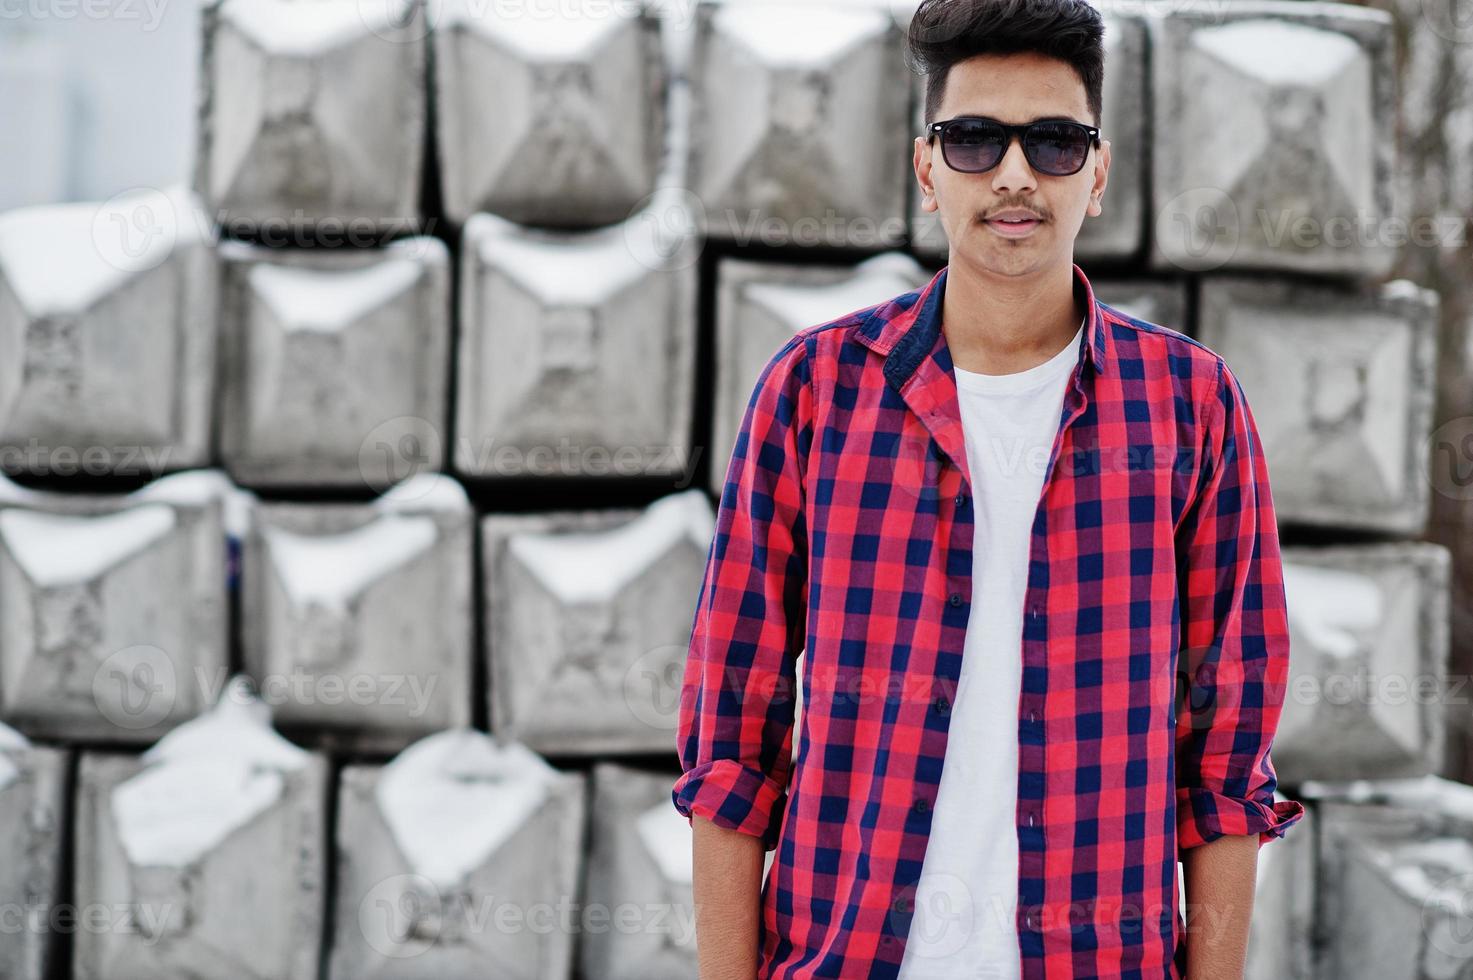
(963, 924)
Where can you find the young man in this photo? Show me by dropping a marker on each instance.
(1026, 548)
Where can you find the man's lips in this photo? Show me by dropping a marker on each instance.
(1012, 228)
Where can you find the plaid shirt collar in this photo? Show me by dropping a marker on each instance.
(906, 332)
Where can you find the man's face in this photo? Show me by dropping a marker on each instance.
(1014, 88)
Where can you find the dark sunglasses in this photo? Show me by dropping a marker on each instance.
(976, 144)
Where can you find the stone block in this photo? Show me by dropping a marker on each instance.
(113, 607)
(576, 353)
(107, 312)
(208, 852)
(578, 87)
(1368, 627)
(1341, 383)
(1270, 148)
(357, 617)
(588, 620)
(800, 134)
(334, 369)
(1395, 878)
(460, 858)
(312, 116)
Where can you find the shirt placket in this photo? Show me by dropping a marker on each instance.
(1032, 704)
(931, 396)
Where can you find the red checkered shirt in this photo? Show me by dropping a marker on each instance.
(1155, 642)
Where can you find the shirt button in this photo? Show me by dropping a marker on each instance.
(901, 905)
(921, 805)
(956, 599)
(961, 499)
(1032, 819)
(942, 705)
(1032, 716)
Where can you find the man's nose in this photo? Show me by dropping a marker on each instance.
(1013, 173)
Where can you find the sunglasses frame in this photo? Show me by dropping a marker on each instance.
(1010, 131)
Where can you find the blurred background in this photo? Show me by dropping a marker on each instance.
(368, 374)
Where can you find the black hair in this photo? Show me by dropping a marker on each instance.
(944, 32)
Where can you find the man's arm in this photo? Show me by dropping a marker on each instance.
(737, 699)
(726, 884)
(1219, 886)
(1233, 669)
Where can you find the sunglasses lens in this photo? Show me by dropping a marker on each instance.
(1057, 148)
(972, 146)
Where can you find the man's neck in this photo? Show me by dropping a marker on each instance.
(1003, 325)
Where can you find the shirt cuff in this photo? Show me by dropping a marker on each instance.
(1202, 816)
(733, 796)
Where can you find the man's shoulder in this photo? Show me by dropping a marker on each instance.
(1187, 358)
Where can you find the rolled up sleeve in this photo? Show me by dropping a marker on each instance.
(1234, 659)
(735, 729)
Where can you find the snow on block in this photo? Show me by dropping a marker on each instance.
(335, 363)
(33, 782)
(461, 857)
(760, 305)
(554, 326)
(1396, 873)
(1116, 233)
(107, 315)
(1269, 136)
(588, 620)
(356, 618)
(166, 840)
(640, 911)
(1341, 383)
(1368, 628)
(312, 115)
(800, 135)
(113, 607)
(578, 86)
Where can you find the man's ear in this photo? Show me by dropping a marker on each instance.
(1102, 177)
(921, 162)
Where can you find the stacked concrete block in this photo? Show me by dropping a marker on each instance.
(1153, 300)
(576, 354)
(577, 87)
(588, 620)
(107, 318)
(1341, 381)
(639, 918)
(357, 617)
(335, 370)
(1368, 626)
(33, 781)
(113, 607)
(1116, 234)
(799, 133)
(1395, 874)
(312, 115)
(460, 858)
(759, 306)
(639, 869)
(208, 851)
(1270, 145)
